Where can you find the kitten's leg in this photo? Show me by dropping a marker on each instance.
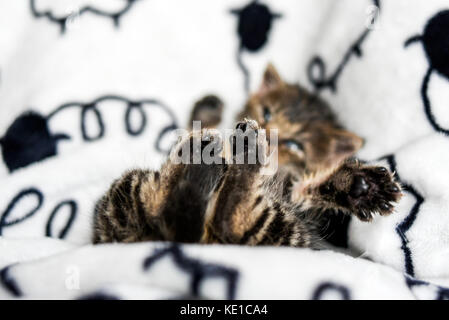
(247, 207)
(125, 213)
(354, 188)
(158, 205)
(129, 211)
(189, 195)
(208, 110)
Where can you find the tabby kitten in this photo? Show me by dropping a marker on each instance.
(310, 136)
(311, 140)
(231, 203)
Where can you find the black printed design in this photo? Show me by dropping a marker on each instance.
(9, 283)
(316, 70)
(4, 222)
(441, 293)
(435, 41)
(406, 224)
(132, 106)
(198, 270)
(327, 287)
(98, 296)
(28, 139)
(73, 210)
(254, 23)
(62, 20)
(7, 221)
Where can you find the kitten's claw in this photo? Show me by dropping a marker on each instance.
(245, 138)
(241, 126)
(247, 123)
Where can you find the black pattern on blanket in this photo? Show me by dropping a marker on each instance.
(95, 100)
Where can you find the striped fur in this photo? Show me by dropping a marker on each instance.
(235, 203)
(219, 203)
(226, 203)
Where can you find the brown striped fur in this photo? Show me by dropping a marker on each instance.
(238, 204)
(218, 203)
(231, 203)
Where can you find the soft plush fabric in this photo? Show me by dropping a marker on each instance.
(89, 89)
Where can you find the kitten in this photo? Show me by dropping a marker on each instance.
(310, 137)
(311, 140)
(231, 203)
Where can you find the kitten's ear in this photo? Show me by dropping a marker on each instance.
(345, 144)
(271, 79)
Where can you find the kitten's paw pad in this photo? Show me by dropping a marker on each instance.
(246, 140)
(373, 190)
(247, 124)
(360, 187)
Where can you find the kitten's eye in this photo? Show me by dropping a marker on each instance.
(266, 114)
(294, 146)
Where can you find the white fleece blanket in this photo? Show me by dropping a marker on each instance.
(89, 89)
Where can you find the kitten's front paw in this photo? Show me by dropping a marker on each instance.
(374, 190)
(208, 110)
(248, 141)
(364, 190)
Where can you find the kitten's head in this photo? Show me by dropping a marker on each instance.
(310, 137)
